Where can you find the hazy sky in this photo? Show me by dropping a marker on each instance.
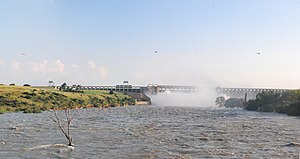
(199, 42)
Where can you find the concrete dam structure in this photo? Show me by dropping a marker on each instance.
(140, 93)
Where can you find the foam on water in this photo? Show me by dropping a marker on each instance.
(51, 146)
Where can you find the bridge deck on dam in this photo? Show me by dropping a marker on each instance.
(153, 89)
(113, 88)
(250, 92)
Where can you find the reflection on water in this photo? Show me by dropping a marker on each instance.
(152, 132)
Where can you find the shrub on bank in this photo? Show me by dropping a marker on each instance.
(32, 110)
(251, 105)
(285, 102)
(234, 103)
(294, 109)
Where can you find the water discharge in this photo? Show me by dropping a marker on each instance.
(203, 98)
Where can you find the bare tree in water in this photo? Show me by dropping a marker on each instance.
(65, 129)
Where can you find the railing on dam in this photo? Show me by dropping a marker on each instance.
(154, 88)
(151, 88)
(118, 88)
(251, 92)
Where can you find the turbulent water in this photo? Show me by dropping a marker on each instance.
(152, 132)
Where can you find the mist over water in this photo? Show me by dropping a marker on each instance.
(202, 98)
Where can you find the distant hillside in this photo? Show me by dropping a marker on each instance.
(37, 99)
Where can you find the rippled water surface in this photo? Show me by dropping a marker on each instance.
(152, 132)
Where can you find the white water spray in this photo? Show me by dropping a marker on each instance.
(202, 98)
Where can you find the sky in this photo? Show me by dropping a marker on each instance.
(205, 43)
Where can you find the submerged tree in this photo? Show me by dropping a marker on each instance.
(65, 129)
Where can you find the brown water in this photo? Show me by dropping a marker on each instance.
(152, 132)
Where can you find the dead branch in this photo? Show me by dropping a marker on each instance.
(62, 126)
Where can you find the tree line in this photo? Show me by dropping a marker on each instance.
(287, 102)
(75, 88)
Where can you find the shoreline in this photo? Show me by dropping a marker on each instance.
(35, 100)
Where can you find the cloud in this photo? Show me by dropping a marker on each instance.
(39, 72)
(40, 67)
(92, 65)
(103, 72)
(96, 72)
(15, 66)
(45, 67)
(75, 66)
(1, 63)
(58, 66)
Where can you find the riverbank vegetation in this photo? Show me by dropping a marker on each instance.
(229, 103)
(234, 103)
(286, 102)
(36, 99)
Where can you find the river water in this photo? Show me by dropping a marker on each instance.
(152, 132)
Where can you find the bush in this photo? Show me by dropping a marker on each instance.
(234, 103)
(26, 97)
(32, 110)
(43, 108)
(267, 108)
(96, 102)
(294, 109)
(251, 105)
(26, 85)
(286, 102)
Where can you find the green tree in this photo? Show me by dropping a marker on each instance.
(63, 87)
(220, 101)
(283, 102)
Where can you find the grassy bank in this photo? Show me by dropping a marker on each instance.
(37, 99)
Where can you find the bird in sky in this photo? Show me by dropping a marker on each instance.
(155, 51)
(258, 53)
